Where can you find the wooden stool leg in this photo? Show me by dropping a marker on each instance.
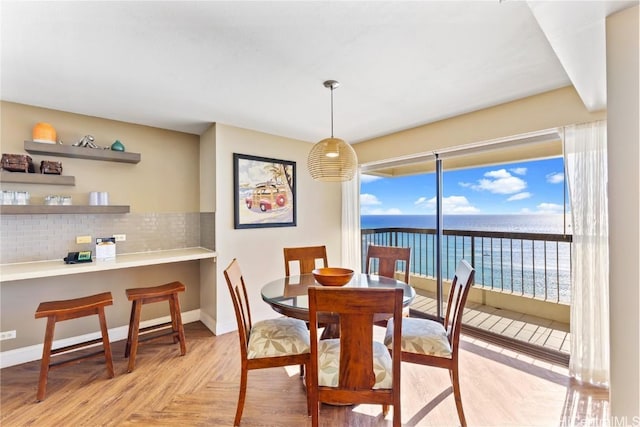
(135, 326)
(127, 348)
(105, 342)
(46, 358)
(176, 319)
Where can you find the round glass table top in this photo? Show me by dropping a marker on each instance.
(288, 295)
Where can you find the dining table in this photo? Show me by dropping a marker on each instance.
(288, 296)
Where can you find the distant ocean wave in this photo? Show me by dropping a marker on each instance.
(525, 223)
(540, 269)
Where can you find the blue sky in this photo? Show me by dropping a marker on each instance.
(516, 188)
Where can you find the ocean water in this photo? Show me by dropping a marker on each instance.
(551, 223)
(525, 267)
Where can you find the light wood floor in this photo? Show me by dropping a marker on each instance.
(499, 388)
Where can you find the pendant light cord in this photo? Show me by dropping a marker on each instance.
(332, 111)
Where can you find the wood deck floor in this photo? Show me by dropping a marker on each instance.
(530, 329)
(499, 388)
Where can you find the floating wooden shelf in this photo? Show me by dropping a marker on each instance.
(36, 178)
(60, 150)
(56, 209)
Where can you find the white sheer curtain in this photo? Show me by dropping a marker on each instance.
(585, 151)
(351, 242)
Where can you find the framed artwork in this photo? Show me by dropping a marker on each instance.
(264, 192)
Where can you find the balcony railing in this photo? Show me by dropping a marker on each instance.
(527, 264)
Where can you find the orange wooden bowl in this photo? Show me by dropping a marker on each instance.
(332, 276)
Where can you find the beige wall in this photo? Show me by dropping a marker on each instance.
(207, 163)
(548, 110)
(259, 250)
(624, 212)
(208, 271)
(165, 180)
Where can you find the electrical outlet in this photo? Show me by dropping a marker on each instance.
(8, 335)
(120, 237)
(83, 239)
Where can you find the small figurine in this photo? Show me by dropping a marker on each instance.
(86, 141)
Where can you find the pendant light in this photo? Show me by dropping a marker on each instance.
(332, 159)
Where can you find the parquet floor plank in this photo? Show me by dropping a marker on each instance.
(499, 388)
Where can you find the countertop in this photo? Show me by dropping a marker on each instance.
(38, 269)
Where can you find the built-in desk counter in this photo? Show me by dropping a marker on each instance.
(38, 269)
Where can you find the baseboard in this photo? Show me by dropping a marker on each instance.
(34, 352)
(208, 321)
(225, 327)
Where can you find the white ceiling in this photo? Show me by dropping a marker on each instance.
(260, 65)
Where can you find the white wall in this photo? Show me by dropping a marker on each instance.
(259, 250)
(624, 213)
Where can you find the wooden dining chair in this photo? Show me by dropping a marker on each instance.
(428, 342)
(354, 368)
(306, 257)
(390, 259)
(266, 344)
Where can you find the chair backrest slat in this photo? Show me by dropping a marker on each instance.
(356, 308)
(306, 256)
(238, 292)
(460, 286)
(388, 258)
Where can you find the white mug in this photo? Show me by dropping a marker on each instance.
(93, 198)
(103, 198)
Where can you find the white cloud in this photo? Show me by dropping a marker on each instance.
(420, 201)
(555, 178)
(365, 179)
(519, 196)
(453, 205)
(500, 173)
(549, 208)
(500, 182)
(519, 171)
(369, 199)
(465, 184)
(379, 211)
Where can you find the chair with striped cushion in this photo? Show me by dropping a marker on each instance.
(354, 368)
(265, 344)
(432, 343)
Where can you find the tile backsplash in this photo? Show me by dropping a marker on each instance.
(45, 237)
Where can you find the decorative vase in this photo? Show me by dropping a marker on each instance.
(117, 146)
(44, 132)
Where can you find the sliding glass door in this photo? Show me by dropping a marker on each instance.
(508, 219)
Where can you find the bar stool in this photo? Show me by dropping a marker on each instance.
(56, 311)
(140, 296)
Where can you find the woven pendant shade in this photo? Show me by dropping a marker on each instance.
(332, 159)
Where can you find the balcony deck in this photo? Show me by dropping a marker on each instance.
(549, 334)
